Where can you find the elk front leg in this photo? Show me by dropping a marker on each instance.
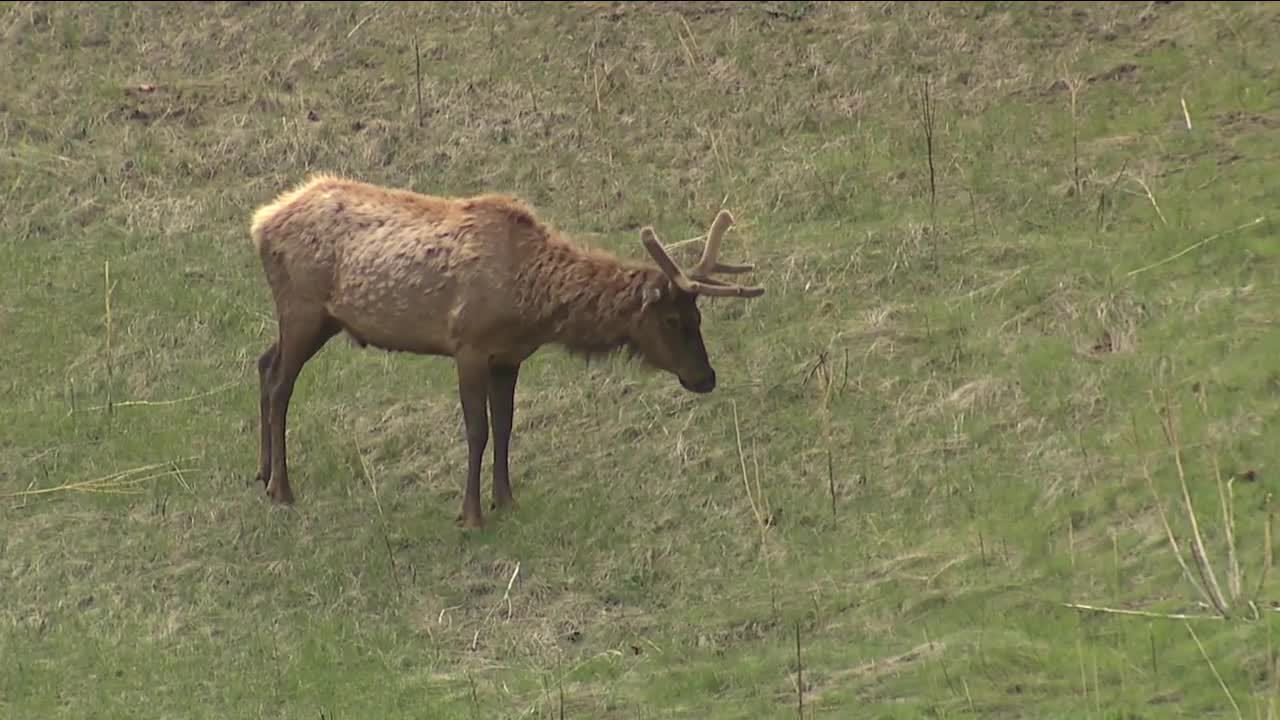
(502, 401)
(473, 391)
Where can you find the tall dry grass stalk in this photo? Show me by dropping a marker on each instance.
(124, 482)
(1074, 86)
(417, 57)
(106, 271)
(1205, 568)
(926, 122)
(1234, 602)
(758, 509)
(1201, 243)
(1214, 669)
(382, 520)
(823, 371)
(799, 676)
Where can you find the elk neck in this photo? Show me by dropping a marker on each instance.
(586, 299)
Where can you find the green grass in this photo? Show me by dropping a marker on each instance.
(979, 377)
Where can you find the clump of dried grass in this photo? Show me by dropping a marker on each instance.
(932, 399)
(1193, 559)
(1119, 318)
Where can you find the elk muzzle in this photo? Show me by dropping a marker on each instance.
(703, 386)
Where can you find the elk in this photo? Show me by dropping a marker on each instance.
(479, 279)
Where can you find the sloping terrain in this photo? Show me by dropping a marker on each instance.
(1021, 263)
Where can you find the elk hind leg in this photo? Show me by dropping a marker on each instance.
(302, 334)
(266, 363)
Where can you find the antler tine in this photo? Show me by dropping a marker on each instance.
(717, 289)
(649, 239)
(709, 264)
(704, 284)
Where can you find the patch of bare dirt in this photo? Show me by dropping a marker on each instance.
(1158, 44)
(1124, 72)
(896, 664)
(1238, 121)
(616, 11)
(147, 103)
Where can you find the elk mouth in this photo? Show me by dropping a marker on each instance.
(701, 387)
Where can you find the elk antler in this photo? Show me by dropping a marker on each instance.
(708, 265)
(699, 280)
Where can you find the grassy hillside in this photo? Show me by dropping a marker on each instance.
(992, 317)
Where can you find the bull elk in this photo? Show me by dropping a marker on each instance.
(477, 279)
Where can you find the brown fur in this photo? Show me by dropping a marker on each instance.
(479, 279)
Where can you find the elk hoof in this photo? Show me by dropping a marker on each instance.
(279, 495)
(467, 521)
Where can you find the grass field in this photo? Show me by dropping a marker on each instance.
(1013, 326)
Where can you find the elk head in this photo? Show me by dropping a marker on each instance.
(668, 333)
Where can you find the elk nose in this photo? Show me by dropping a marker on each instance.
(703, 386)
